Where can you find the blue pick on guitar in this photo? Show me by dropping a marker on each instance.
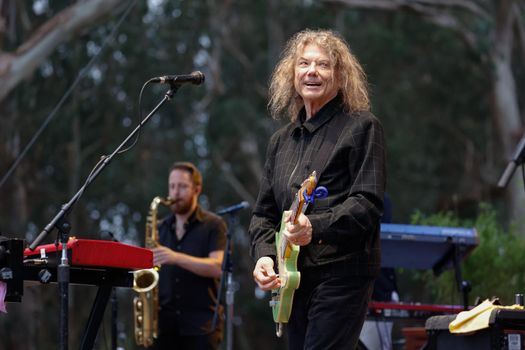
(320, 192)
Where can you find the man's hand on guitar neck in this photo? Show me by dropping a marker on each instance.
(299, 233)
(264, 274)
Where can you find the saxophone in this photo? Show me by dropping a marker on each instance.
(145, 283)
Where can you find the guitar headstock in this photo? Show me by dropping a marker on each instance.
(307, 189)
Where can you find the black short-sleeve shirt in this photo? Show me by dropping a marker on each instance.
(188, 299)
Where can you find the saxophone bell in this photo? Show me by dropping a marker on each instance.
(145, 280)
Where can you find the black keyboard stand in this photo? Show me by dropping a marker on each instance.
(95, 317)
(454, 254)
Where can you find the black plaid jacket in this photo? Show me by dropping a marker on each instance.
(346, 223)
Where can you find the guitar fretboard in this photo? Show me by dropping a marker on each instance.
(299, 204)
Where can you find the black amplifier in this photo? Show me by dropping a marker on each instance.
(506, 331)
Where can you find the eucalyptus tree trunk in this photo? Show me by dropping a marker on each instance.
(507, 115)
(505, 20)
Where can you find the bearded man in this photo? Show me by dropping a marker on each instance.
(192, 242)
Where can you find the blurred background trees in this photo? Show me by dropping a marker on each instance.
(446, 80)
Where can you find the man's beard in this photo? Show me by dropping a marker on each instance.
(181, 207)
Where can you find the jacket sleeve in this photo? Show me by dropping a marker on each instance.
(266, 214)
(358, 211)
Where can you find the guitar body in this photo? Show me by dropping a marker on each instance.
(287, 254)
(282, 298)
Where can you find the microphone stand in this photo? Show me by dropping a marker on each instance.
(114, 317)
(61, 223)
(227, 270)
(517, 160)
(230, 287)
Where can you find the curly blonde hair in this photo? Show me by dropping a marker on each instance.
(353, 86)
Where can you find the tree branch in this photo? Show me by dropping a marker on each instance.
(394, 5)
(467, 5)
(17, 66)
(434, 11)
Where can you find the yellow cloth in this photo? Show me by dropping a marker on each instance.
(477, 318)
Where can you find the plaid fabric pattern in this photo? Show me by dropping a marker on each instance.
(346, 223)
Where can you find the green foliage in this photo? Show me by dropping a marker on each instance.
(494, 268)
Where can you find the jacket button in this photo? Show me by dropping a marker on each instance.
(320, 241)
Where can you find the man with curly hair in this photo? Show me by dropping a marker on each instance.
(320, 86)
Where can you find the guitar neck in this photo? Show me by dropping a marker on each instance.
(298, 206)
(299, 203)
(294, 209)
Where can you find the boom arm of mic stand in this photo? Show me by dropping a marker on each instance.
(517, 159)
(507, 174)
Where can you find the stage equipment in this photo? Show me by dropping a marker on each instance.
(227, 272)
(195, 78)
(517, 160)
(506, 331)
(428, 247)
(63, 226)
(105, 264)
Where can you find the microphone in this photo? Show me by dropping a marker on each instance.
(241, 205)
(196, 78)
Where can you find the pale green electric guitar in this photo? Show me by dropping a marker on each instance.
(287, 253)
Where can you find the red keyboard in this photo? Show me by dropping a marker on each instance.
(99, 253)
(380, 309)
